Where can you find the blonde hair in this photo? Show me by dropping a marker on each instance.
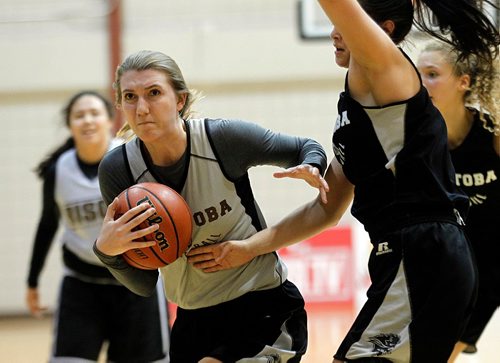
(484, 89)
(147, 59)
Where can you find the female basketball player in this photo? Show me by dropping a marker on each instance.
(251, 313)
(93, 306)
(474, 139)
(393, 162)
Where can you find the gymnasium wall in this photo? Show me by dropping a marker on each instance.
(246, 57)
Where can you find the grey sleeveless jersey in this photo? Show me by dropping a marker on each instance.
(218, 215)
(81, 206)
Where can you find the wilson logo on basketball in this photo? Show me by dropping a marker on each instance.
(173, 217)
(155, 219)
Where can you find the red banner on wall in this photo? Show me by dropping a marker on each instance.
(322, 267)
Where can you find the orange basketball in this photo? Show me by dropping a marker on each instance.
(172, 215)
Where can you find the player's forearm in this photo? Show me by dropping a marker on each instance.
(140, 282)
(308, 220)
(301, 224)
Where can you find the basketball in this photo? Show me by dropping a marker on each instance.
(173, 217)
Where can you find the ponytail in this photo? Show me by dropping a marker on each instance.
(462, 24)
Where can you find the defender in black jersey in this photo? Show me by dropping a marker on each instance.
(393, 162)
(474, 140)
(93, 306)
(251, 313)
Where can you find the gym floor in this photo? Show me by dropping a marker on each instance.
(27, 340)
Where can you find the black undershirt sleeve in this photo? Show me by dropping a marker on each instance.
(140, 282)
(241, 145)
(47, 228)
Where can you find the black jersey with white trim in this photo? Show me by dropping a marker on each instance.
(398, 160)
(477, 168)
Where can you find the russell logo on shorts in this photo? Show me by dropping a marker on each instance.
(383, 248)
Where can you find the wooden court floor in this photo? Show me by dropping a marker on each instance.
(27, 340)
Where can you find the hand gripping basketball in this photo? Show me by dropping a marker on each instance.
(171, 214)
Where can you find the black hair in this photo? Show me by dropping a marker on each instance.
(66, 111)
(52, 157)
(400, 12)
(460, 23)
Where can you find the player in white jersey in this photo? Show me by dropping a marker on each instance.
(249, 314)
(93, 307)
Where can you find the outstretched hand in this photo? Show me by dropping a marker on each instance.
(120, 235)
(220, 256)
(308, 173)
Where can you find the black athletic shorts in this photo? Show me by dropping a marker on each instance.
(422, 292)
(269, 324)
(89, 314)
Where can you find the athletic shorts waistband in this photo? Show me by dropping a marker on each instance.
(377, 231)
(284, 294)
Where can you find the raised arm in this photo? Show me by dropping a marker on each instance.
(379, 73)
(367, 41)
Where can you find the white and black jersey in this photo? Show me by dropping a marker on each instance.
(398, 160)
(254, 299)
(93, 307)
(422, 274)
(71, 196)
(212, 176)
(81, 206)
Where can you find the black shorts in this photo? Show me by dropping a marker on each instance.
(268, 324)
(89, 314)
(423, 288)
